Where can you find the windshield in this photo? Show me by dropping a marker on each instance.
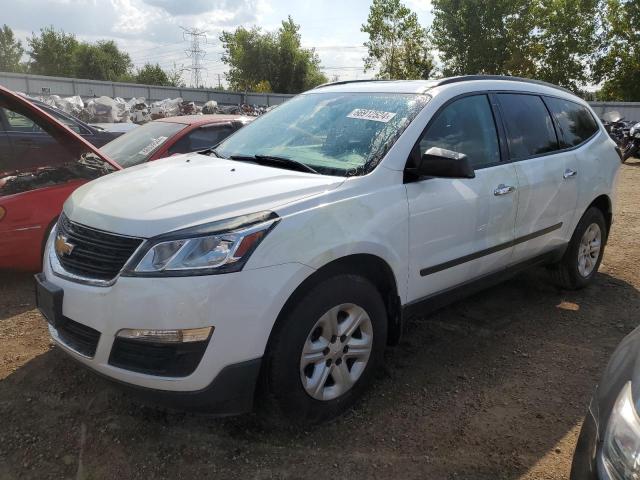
(137, 145)
(334, 133)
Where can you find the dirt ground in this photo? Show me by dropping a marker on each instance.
(493, 387)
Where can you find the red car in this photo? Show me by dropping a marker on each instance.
(170, 136)
(36, 178)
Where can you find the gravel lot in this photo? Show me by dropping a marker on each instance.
(493, 387)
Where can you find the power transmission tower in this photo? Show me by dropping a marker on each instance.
(197, 38)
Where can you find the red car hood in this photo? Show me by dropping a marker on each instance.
(55, 128)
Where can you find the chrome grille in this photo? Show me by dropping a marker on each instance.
(96, 254)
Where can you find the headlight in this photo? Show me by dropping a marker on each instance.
(621, 451)
(218, 247)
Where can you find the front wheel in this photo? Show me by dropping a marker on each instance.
(325, 350)
(584, 252)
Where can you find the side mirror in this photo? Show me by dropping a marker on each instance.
(439, 162)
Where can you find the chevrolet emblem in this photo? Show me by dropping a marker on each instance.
(62, 246)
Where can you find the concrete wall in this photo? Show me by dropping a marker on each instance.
(65, 87)
(629, 110)
(41, 85)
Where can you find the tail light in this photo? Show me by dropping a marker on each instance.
(3, 212)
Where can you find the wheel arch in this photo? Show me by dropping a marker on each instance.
(373, 268)
(603, 203)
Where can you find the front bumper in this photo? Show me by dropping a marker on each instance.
(230, 393)
(242, 307)
(585, 464)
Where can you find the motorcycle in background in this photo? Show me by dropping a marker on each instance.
(617, 128)
(633, 144)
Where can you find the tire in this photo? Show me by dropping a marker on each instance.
(569, 273)
(307, 325)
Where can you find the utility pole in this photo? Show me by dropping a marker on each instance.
(219, 83)
(197, 38)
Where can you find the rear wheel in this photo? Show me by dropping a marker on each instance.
(584, 253)
(325, 350)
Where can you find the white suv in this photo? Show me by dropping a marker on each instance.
(279, 265)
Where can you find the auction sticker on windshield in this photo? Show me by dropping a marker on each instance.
(375, 115)
(154, 143)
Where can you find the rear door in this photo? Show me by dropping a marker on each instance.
(548, 191)
(461, 229)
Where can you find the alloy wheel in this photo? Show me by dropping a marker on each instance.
(336, 352)
(589, 250)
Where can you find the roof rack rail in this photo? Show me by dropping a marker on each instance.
(465, 78)
(345, 82)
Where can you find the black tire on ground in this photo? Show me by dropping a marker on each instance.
(565, 273)
(283, 397)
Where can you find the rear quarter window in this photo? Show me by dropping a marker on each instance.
(575, 121)
(530, 130)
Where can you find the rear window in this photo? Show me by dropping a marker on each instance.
(529, 127)
(575, 121)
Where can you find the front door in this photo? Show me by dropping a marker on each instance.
(461, 229)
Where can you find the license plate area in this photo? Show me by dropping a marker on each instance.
(49, 300)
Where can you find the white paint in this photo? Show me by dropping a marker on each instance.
(410, 226)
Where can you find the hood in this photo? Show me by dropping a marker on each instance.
(50, 124)
(187, 190)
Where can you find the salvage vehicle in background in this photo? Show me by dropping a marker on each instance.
(608, 447)
(94, 134)
(36, 177)
(289, 256)
(169, 136)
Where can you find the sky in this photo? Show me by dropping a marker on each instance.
(150, 30)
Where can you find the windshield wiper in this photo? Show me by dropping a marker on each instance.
(209, 151)
(270, 159)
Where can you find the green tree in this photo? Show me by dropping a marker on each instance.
(566, 39)
(485, 36)
(397, 44)
(102, 60)
(274, 60)
(174, 76)
(52, 53)
(10, 51)
(618, 62)
(152, 75)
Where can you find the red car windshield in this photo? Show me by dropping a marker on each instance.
(138, 145)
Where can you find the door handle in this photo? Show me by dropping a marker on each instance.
(568, 173)
(503, 189)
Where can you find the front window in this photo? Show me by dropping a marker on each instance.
(334, 133)
(139, 144)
